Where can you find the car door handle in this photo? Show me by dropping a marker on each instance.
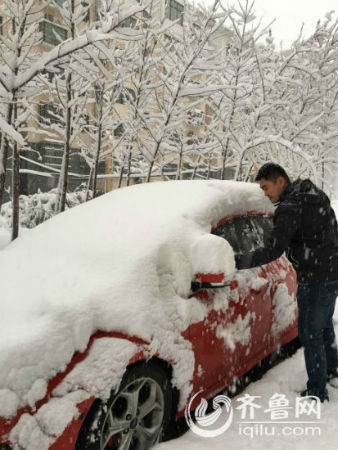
(255, 291)
(258, 290)
(260, 286)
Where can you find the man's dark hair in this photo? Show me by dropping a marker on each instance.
(271, 171)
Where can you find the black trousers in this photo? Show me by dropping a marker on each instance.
(316, 304)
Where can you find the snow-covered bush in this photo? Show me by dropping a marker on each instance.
(36, 208)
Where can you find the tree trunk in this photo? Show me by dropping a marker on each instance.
(195, 168)
(97, 156)
(129, 167)
(99, 89)
(247, 176)
(151, 164)
(121, 175)
(63, 182)
(15, 190)
(180, 163)
(209, 166)
(90, 182)
(5, 147)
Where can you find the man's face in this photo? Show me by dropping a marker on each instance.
(273, 189)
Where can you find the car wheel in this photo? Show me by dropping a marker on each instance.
(135, 417)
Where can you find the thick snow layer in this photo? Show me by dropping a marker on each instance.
(9, 402)
(101, 370)
(37, 392)
(208, 256)
(41, 430)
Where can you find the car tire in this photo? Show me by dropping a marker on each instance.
(133, 418)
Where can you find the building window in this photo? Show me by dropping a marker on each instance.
(170, 171)
(49, 17)
(50, 74)
(53, 154)
(129, 22)
(43, 179)
(52, 33)
(121, 99)
(50, 154)
(126, 96)
(174, 11)
(230, 50)
(119, 130)
(85, 123)
(87, 15)
(187, 171)
(49, 114)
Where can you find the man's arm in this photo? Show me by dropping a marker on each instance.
(286, 221)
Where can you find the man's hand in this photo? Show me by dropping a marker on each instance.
(243, 261)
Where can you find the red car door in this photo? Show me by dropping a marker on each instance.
(237, 325)
(282, 288)
(246, 325)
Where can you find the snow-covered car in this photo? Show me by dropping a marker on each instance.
(114, 313)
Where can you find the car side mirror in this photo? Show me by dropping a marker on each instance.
(213, 263)
(208, 281)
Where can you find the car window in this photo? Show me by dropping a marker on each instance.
(262, 227)
(227, 230)
(245, 234)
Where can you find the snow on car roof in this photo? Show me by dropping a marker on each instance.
(122, 262)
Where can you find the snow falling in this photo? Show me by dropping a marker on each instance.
(93, 99)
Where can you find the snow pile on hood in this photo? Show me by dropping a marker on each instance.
(122, 262)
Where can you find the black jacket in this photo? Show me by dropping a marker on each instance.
(305, 227)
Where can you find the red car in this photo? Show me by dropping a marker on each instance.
(130, 304)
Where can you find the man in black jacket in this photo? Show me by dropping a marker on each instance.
(305, 227)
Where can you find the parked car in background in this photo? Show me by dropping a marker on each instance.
(114, 313)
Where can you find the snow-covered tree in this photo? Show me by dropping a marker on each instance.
(106, 90)
(168, 84)
(271, 107)
(22, 63)
(71, 92)
(20, 36)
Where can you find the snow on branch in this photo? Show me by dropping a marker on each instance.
(11, 132)
(106, 32)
